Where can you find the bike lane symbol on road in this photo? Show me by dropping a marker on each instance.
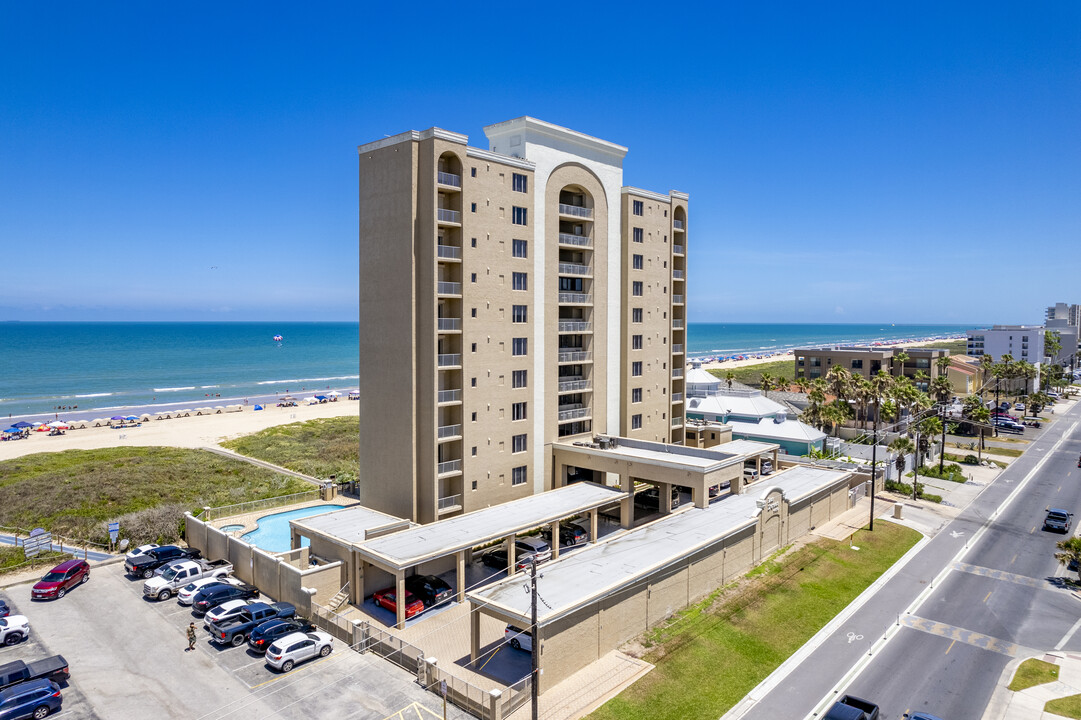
(853, 636)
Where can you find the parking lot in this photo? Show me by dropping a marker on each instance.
(127, 658)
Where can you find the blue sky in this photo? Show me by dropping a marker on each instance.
(847, 162)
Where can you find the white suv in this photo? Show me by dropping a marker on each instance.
(187, 593)
(14, 629)
(534, 545)
(296, 648)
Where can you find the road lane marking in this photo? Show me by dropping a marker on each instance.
(291, 674)
(1002, 575)
(952, 643)
(892, 630)
(1013, 558)
(1069, 634)
(987, 595)
(969, 637)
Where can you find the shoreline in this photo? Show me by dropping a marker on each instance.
(780, 355)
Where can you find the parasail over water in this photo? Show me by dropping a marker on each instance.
(277, 338)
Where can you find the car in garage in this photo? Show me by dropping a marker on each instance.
(535, 546)
(569, 534)
(429, 589)
(57, 582)
(388, 600)
(14, 629)
(34, 699)
(518, 639)
(497, 558)
(271, 631)
(1057, 520)
(285, 653)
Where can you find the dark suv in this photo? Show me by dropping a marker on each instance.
(428, 589)
(34, 699)
(214, 595)
(60, 579)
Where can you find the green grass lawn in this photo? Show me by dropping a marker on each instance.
(1005, 452)
(1069, 706)
(715, 652)
(12, 559)
(956, 347)
(752, 374)
(74, 493)
(319, 448)
(1033, 672)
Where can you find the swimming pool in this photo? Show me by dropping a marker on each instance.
(273, 531)
(231, 528)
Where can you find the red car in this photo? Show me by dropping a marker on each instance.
(60, 579)
(387, 599)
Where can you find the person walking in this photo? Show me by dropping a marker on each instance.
(191, 636)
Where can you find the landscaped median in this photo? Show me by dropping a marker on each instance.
(713, 653)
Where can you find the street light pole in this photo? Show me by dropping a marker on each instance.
(942, 453)
(874, 458)
(535, 643)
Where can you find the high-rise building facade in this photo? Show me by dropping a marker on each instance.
(509, 297)
(1064, 312)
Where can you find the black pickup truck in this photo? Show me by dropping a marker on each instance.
(851, 707)
(234, 631)
(15, 672)
(151, 560)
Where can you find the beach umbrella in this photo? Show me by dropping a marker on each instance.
(333, 393)
(131, 417)
(22, 424)
(58, 424)
(118, 417)
(13, 430)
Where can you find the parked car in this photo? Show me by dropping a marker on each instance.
(14, 629)
(388, 600)
(178, 574)
(54, 668)
(224, 611)
(534, 545)
(1019, 406)
(923, 716)
(141, 550)
(186, 594)
(234, 630)
(4, 609)
(35, 699)
(56, 583)
(651, 498)
(429, 589)
(214, 595)
(767, 467)
(285, 653)
(151, 560)
(497, 558)
(569, 534)
(1008, 425)
(1057, 520)
(266, 634)
(518, 639)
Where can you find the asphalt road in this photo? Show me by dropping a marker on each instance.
(937, 636)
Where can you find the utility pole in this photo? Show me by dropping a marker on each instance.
(916, 465)
(942, 454)
(994, 426)
(874, 459)
(534, 635)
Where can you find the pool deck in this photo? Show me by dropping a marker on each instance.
(250, 521)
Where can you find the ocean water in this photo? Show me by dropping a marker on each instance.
(108, 366)
(98, 366)
(726, 339)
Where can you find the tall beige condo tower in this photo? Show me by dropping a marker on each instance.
(509, 298)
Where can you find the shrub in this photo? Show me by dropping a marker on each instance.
(971, 460)
(906, 489)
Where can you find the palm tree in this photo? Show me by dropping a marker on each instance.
(941, 390)
(781, 383)
(802, 384)
(1069, 552)
(902, 446)
(816, 397)
(943, 364)
(836, 413)
(901, 358)
(766, 383)
(729, 377)
(987, 365)
(840, 382)
(881, 386)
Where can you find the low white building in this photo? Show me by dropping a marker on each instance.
(1022, 342)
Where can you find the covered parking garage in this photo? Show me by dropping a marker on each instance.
(598, 598)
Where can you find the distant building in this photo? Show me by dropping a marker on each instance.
(865, 362)
(1022, 342)
(1070, 314)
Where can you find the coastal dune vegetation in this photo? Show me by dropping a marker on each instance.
(319, 448)
(147, 489)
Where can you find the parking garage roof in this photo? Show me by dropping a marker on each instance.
(402, 550)
(351, 525)
(680, 457)
(585, 576)
(746, 447)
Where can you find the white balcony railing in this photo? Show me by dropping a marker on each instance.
(677, 422)
(576, 240)
(677, 249)
(677, 274)
(448, 360)
(677, 299)
(573, 414)
(575, 326)
(448, 324)
(677, 348)
(449, 252)
(677, 224)
(450, 502)
(567, 356)
(451, 466)
(445, 215)
(574, 269)
(575, 210)
(579, 298)
(677, 372)
(452, 180)
(448, 288)
(677, 323)
(677, 397)
(449, 431)
(575, 385)
(449, 396)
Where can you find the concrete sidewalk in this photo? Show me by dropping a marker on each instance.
(1028, 704)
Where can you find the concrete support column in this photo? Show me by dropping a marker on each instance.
(666, 498)
(460, 558)
(511, 554)
(399, 594)
(474, 635)
(626, 505)
(352, 573)
(555, 540)
(593, 515)
(359, 589)
(775, 466)
(700, 494)
(294, 539)
(737, 482)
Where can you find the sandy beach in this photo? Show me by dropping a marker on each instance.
(187, 432)
(730, 364)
